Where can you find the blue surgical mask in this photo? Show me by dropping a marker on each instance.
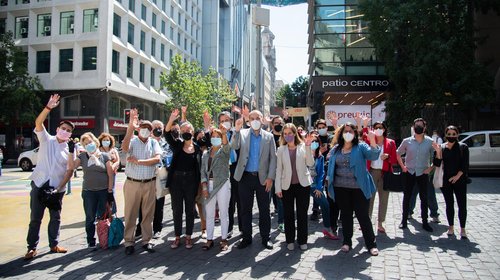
(216, 141)
(90, 148)
(314, 145)
(106, 143)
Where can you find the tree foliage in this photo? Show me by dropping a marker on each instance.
(188, 86)
(294, 94)
(428, 51)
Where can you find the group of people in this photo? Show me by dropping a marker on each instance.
(227, 165)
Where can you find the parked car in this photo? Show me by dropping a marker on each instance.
(484, 149)
(27, 160)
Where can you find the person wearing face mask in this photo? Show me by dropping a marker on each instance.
(53, 170)
(377, 167)
(419, 149)
(293, 183)
(350, 185)
(216, 186)
(255, 172)
(317, 187)
(107, 145)
(97, 185)
(160, 202)
(139, 189)
(183, 178)
(277, 129)
(455, 157)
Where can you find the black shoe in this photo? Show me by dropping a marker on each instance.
(244, 243)
(315, 216)
(427, 227)
(129, 250)
(403, 226)
(267, 244)
(148, 247)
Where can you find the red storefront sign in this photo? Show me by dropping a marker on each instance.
(83, 123)
(115, 124)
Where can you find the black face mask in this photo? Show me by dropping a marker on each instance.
(419, 129)
(157, 132)
(451, 139)
(175, 134)
(278, 128)
(187, 136)
(202, 142)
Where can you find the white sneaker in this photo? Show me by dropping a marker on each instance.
(290, 246)
(303, 247)
(157, 235)
(436, 220)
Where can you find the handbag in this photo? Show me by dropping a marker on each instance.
(161, 181)
(115, 233)
(393, 180)
(102, 227)
(437, 180)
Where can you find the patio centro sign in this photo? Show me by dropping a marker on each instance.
(350, 83)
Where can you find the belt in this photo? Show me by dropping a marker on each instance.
(141, 181)
(255, 173)
(184, 173)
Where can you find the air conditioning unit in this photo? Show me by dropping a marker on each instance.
(24, 30)
(46, 28)
(71, 26)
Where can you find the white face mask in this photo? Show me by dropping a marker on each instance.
(227, 125)
(348, 136)
(144, 132)
(255, 124)
(322, 131)
(379, 132)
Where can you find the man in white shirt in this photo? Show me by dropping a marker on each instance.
(52, 171)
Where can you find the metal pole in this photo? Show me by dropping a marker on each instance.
(258, 66)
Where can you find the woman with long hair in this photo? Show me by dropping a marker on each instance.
(350, 185)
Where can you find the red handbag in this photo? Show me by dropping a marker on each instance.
(102, 227)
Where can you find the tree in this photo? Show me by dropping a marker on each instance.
(428, 51)
(189, 87)
(20, 101)
(294, 94)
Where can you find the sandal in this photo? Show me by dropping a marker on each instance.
(223, 245)
(330, 235)
(374, 252)
(207, 245)
(345, 248)
(175, 244)
(189, 243)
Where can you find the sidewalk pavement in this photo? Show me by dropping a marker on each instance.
(410, 254)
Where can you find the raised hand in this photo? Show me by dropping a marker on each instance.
(371, 136)
(207, 120)
(267, 119)
(357, 118)
(134, 118)
(245, 112)
(223, 129)
(285, 114)
(184, 109)
(308, 139)
(174, 115)
(332, 117)
(53, 101)
(366, 120)
(238, 124)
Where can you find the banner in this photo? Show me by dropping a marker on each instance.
(346, 113)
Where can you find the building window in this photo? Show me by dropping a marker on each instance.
(89, 60)
(170, 56)
(67, 22)
(172, 12)
(179, 39)
(143, 12)
(90, 20)
(130, 67)
(43, 62)
(179, 19)
(152, 77)
(171, 33)
(163, 28)
(44, 24)
(186, 24)
(164, 5)
(4, 2)
(141, 72)
(131, 5)
(143, 41)
(185, 44)
(117, 25)
(115, 62)
(153, 46)
(22, 24)
(66, 60)
(153, 20)
(130, 38)
(117, 107)
(75, 106)
(162, 52)
(22, 2)
(2, 25)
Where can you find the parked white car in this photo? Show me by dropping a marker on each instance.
(27, 160)
(484, 149)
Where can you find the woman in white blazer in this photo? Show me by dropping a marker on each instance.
(293, 181)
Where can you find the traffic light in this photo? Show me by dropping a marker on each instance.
(126, 116)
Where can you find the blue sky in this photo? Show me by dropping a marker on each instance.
(289, 25)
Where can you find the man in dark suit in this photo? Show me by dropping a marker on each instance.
(255, 172)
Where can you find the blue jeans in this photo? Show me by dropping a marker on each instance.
(431, 199)
(325, 207)
(278, 205)
(94, 205)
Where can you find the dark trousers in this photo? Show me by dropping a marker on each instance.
(353, 200)
(421, 182)
(460, 191)
(183, 193)
(334, 212)
(94, 205)
(248, 186)
(36, 216)
(234, 202)
(157, 218)
(298, 195)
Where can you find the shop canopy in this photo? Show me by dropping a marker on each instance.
(280, 3)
